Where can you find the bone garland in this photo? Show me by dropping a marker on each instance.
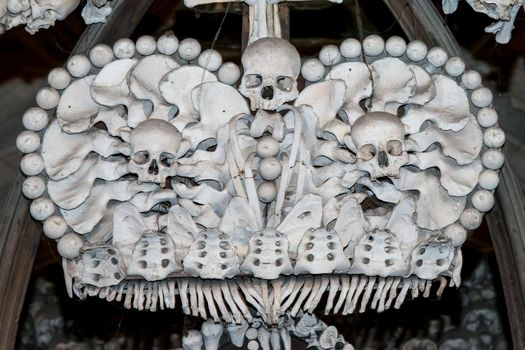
(366, 291)
(167, 182)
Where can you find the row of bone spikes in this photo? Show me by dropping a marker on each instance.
(231, 300)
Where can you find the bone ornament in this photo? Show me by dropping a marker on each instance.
(271, 67)
(162, 185)
(154, 146)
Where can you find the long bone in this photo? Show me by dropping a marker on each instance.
(237, 332)
(222, 303)
(360, 288)
(388, 285)
(201, 302)
(368, 292)
(306, 290)
(345, 287)
(333, 289)
(351, 292)
(211, 333)
(325, 280)
(232, 287)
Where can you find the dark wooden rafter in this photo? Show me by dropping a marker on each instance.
(420, 20)
(19, 234)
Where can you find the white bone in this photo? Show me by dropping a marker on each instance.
(154, 147)
(237, 333)
(144, 79)
(110, 88)
(358, 81)
(210, 302)
(212, 256)
(77, 112)
(449, 108)
(457, 180)
(305, 291)
(216, 103)
(153, 257)
(379, 140)
(83, 218)
(72, 191)
(464, 145)
(432, 257)
(264, 338)
(271, 67)
(394, 83)
(321, 251)
(304, 215)
(329, 338)
(325, 99)
(192, 340)
(333, 289)
(217, 297)
(124, 48)
(351, 293)
(45, 13)
(268, 256)
(238, 299)
(64, 161)
(176, 87)
(431, 197)
(93, 14)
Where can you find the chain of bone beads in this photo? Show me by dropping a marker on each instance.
(269, 168)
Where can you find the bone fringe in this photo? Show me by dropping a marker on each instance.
(243, 298)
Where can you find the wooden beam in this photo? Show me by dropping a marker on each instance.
(19, 234)
(421, 20)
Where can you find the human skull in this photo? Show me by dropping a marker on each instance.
(154, 145)
(44, 13)
(379, 140)
(271, 67)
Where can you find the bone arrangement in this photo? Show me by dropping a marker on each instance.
(166, 174)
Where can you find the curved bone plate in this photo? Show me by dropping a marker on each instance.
(177, 86)
(61, 162)
(449, 108)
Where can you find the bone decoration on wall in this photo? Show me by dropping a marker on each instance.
(42, 14)
(503, 11)
(169, 176)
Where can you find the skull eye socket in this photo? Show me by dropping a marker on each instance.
(367, 152)
(285, 83)
(253, 81)
(141, 157)
(394, 147)
(166, 159)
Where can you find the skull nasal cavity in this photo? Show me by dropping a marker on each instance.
(267, 93)
(153, 168)
(382, 159)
